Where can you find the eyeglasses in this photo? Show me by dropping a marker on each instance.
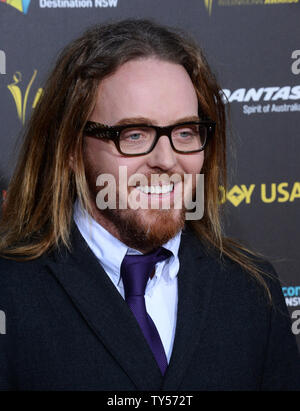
(140, 139)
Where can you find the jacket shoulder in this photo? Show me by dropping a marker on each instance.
(12, 272)
(230, 273)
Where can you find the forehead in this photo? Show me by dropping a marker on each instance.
(152, 88)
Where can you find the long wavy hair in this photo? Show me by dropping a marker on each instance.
(37, 212)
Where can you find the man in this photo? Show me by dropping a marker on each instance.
(132, 296)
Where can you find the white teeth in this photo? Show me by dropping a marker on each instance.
(156, 189)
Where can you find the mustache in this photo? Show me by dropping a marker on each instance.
(147, 179)
(155, 179)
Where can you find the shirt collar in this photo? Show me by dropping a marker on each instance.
(108, 249)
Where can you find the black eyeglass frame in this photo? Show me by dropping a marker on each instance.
(102, 131)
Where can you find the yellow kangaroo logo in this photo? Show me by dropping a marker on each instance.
(208, 5)
(21, 104)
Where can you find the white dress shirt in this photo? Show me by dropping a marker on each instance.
(161, 295)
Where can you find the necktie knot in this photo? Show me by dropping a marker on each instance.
(136, 270)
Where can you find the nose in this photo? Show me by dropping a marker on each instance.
(162, 156)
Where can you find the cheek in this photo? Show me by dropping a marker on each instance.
(192, 164)
(97, 158)
(104, 158)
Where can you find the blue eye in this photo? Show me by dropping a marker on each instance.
(134, 136)
(185, 134)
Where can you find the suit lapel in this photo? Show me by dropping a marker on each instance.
(105, 311)
(195, 284)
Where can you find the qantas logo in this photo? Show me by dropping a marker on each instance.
(263, 93)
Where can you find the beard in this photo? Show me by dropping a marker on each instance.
(141, 229)
(145, 229)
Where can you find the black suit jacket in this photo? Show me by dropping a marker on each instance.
(68, 328)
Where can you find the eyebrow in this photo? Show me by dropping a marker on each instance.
(145, 120)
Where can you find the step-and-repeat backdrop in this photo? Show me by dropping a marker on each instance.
(254, 48)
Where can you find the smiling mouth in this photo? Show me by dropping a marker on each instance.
(164, 189)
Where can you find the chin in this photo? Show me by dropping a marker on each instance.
(145, 230)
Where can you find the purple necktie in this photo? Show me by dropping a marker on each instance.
(135, 272)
